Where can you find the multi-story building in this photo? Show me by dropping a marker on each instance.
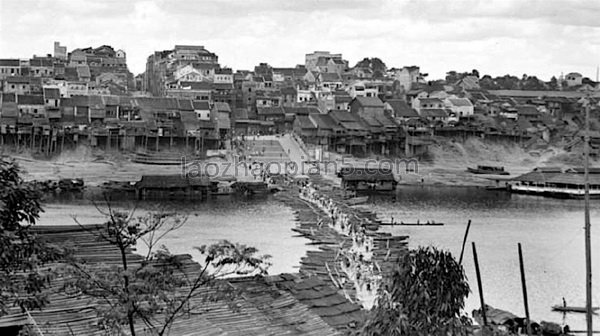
(10, 67)
(318, 59)
(184, 60)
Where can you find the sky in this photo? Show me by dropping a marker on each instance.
(497, 37)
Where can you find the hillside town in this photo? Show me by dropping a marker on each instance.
(185, 100)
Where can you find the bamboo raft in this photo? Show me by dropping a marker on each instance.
(314, 224)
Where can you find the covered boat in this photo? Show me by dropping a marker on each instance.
(491, 170)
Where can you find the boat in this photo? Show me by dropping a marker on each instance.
(490, 170)
(164, 158)
(412, 224)
(357, 200)
(248, 188)
(118, 186)
(71, 185)
(557, 182)
(573, 309)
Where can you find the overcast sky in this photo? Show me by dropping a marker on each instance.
(543, 37)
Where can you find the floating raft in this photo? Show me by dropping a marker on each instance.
(411, 224)
(573, 309)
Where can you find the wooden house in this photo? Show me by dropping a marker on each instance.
(368, 179)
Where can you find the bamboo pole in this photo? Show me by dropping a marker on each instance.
(524, 285)
(462, 250)
(479, 285)
(588, 243)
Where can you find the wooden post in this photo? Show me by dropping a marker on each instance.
(462, 250)
(62, 142)
(524, 285)
(588, 242)
(479, 285)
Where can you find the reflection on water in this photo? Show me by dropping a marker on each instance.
(550, 230)
(262, 223)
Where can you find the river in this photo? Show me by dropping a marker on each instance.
(550, 231)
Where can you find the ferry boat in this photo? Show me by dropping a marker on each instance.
(491, 170)
(557, 182)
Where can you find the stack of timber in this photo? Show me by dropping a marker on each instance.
(286, 304)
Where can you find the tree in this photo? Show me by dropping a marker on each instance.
(553, 84)
(487, 83)
(452, 77)
(375, 64)
(22, 255)
(426, 294)
(161, 287)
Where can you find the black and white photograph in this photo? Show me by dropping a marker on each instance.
(299, 167)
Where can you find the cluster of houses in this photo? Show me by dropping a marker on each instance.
(185, 96)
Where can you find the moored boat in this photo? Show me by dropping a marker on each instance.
(412, 224)
(490, 170)
(572, 309)
(557, 182)
(357, 200)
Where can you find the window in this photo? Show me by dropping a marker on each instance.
(12, 86)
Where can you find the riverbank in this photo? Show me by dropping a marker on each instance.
(446, 164)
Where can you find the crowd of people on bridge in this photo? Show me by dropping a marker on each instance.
(357, 262)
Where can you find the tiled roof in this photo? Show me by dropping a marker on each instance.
(8, 97)
(402, 109)
(369, 101)
(460, 101)
(305, 122)
(9, 109)
(288, 90)
(190, 121)
(51, 93)
(83, 71)
(528, 110)
(222, 107)
(240, 114)
(5, 62)
(156, 103)
(201, 105)
(434, 113)
(329, 77)
(30, 100)
(430, 101)
(185, 105)
(41, 62)
(224, 71)
(222, 86)
(301, 110)
(532, 93)
(324, 121)
(71, 73)
(18, 80)
(197, 85)
(111, 100)
(270, 111)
